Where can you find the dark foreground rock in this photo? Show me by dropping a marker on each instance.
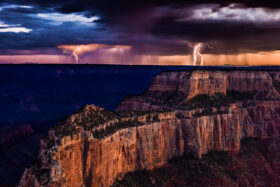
(257, 164)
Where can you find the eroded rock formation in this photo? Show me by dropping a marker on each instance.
(182, 113)
(187, 84)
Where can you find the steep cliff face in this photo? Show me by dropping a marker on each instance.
(257, 164)
(94, 147)
(210, 82)
(188, 84)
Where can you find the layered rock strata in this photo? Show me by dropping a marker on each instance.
(188, 84)
(257, 164)
(94, 147)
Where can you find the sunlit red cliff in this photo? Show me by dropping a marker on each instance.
(182, 113)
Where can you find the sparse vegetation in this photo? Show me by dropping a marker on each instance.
(89, 117)
(179, 115)
(42, 173)
(205, 101)
(170, 98)
(220, 100)
(112, 129)
(209, 111)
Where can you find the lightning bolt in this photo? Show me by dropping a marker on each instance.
(197, 54)
(74, 53)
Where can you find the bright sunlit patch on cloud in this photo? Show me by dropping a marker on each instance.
(17, 28)
(11, 6)
(59, 18)
(2, 24)
(233, 12)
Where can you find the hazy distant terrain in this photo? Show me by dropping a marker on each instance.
(15, 158)
(41, 94)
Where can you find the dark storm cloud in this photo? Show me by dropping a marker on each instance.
(44, 28)
(231, 29)
(151, 27)
(227, 37)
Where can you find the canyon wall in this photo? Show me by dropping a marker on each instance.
(209, 82)
(94, 147)
(193, 83)
(257, 164)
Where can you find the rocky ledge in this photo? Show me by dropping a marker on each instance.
(182, 113)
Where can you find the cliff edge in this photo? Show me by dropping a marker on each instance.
(182, 113)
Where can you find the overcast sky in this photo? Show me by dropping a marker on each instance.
(139, 31)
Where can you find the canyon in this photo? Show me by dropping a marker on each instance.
(182, 113)
(9, 134)
(14, 141)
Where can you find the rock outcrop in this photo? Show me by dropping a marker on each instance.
(182, 113)
(189, 84)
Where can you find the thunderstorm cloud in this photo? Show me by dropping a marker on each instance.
(150, 28)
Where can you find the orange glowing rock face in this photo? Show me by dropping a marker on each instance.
(77, 50)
